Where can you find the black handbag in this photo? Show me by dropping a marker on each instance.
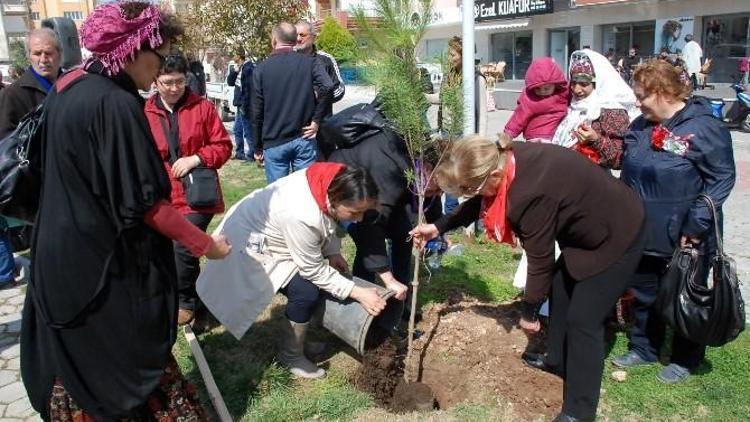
(349, 127)
(21, 167)
(710, 315)
(201, 184)
(201, 187)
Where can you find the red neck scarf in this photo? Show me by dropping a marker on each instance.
(496, 222)
(319, 177)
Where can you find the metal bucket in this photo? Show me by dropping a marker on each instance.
(349, 321)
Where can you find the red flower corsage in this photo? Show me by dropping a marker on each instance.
(664, 140)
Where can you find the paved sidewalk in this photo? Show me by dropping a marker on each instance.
(14, 404)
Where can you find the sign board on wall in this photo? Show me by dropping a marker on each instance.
(670, 34)
(487, 10)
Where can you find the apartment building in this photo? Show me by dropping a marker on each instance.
(516, 31)
(77, 10)
(13, 17)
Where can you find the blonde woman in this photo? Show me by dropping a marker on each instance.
(543, 193)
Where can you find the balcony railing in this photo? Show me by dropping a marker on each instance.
(15, 6)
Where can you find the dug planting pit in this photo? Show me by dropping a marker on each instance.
(470, 353)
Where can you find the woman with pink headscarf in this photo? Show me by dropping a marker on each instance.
(99, 320)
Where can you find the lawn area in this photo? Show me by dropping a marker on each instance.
(255, 388)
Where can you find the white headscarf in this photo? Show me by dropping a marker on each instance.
(611, 92)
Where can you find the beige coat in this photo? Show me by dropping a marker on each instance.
(297, 238)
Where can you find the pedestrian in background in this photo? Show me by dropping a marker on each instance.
(188, 134)
(240, 77)
(306, 36)
(744, 68)
(285, 111)
(43, 50)
(692, 55)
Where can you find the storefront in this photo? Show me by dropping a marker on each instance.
(517, 31)
(726, 40)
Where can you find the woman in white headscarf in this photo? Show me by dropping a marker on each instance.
(601, 108)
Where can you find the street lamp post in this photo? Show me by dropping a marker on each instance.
(467, 68)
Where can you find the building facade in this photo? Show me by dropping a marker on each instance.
(517, 31)
(77, 10)
(14, 15)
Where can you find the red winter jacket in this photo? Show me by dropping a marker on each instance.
(201, 133)
(538, 117)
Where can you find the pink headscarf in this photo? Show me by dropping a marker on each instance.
(113, 39)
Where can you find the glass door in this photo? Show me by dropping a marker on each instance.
(562, 43)
(558, 47)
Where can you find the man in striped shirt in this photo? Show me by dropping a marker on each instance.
(306, 36)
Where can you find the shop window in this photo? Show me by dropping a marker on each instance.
(623, 37)
(434, 49)
(515, 50)
(726, 39)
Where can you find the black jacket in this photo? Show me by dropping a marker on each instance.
(283, 97)
(18, 99)
(242, 90)
(332, 69)
(385, 157)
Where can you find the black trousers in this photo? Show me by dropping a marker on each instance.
(188, 266)
(302, 297)
(648, 332)
(576, 333)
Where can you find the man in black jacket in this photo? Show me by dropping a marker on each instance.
(285, 112)
(306, 36)
(44, 53)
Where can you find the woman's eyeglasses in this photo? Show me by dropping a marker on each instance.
(177, 83)
(470, 191)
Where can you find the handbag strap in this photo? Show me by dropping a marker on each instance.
(714, 215)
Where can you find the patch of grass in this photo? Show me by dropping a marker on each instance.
(483, 271)
(718, 391)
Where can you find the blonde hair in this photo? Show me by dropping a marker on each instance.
(469, 162)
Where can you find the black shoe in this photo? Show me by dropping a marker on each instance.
(239, 157)
(562, 417)
(536, 361)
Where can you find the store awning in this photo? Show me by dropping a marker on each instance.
(518, 23)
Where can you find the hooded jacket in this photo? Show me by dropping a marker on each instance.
(538, 117)
(669, 184)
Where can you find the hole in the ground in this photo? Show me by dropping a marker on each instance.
(381, 374)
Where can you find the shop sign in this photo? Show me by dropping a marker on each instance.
(487, 10)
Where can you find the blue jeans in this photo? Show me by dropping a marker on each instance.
(243, 135)
(289, 157)
(302, 298)
(7, 263)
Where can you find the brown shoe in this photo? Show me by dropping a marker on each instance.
(184, 316)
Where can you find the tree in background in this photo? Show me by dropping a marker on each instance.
(337, 41)
(233, 24)
(18, 54)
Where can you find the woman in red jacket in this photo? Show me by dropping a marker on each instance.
(188, 134)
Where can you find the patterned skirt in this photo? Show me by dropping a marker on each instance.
(175, 399)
